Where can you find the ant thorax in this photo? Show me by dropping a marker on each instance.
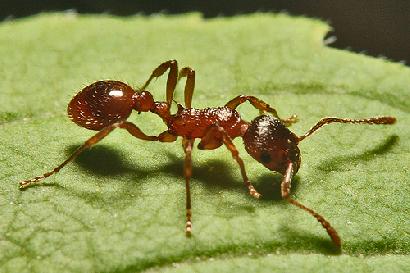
(195, 123)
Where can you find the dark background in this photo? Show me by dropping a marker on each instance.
(378, 27)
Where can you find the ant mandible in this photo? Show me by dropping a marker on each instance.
(106, 105)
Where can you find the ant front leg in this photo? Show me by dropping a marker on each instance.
(187, 146)
(130, 127)
(285, 190)
(172, 80)
(189, 73)
(215, 137)
(261, 106)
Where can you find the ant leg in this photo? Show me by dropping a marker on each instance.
(189, 73)
(172, 65)
(135, 131)
(261, 106)
(285, 189)
(90, 142)
(214, 137)
(187, 146)
(324, 121)
(235, 154)
(130, 127)
(167, 137)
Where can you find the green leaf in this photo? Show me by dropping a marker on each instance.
(121, 206)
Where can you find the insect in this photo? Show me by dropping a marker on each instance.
(105, 105)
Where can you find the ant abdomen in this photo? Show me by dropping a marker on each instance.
(101, 104)
(269, 141)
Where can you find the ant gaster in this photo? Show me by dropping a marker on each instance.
(106, 105)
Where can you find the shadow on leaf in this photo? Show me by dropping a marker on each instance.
(101, 160)
(293, 239)
(215, 174)
(336, 163)
(382, 246)
(269, 185)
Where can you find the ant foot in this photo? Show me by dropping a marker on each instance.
(290, 120)
(188, 229)
(293, 119)
(26, 183)
(253, 192)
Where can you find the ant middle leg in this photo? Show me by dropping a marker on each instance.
(261, 106)
(189, 73)
(215, 137)
(328, 120)
(136, 132)
(130, 127)
(187, 146)
(172, 80)
(285, 190)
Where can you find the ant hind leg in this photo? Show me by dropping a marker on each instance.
(136, 132)
(130, 127)
(90, 142)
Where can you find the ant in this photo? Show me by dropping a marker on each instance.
(105, 105)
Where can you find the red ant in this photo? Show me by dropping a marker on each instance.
(106, 105)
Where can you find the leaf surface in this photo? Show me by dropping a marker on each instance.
(120, 207)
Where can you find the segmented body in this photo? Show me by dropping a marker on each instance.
(106, 105)
(106, 102)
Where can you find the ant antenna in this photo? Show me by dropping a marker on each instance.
(285, 189)
(328, 120)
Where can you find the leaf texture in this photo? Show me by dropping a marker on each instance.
(120, 207)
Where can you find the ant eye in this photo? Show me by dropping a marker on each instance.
(265, 157)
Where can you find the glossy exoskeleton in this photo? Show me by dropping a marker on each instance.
(106, 105)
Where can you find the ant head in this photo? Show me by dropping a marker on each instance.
(272, 144)
(143, 101)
